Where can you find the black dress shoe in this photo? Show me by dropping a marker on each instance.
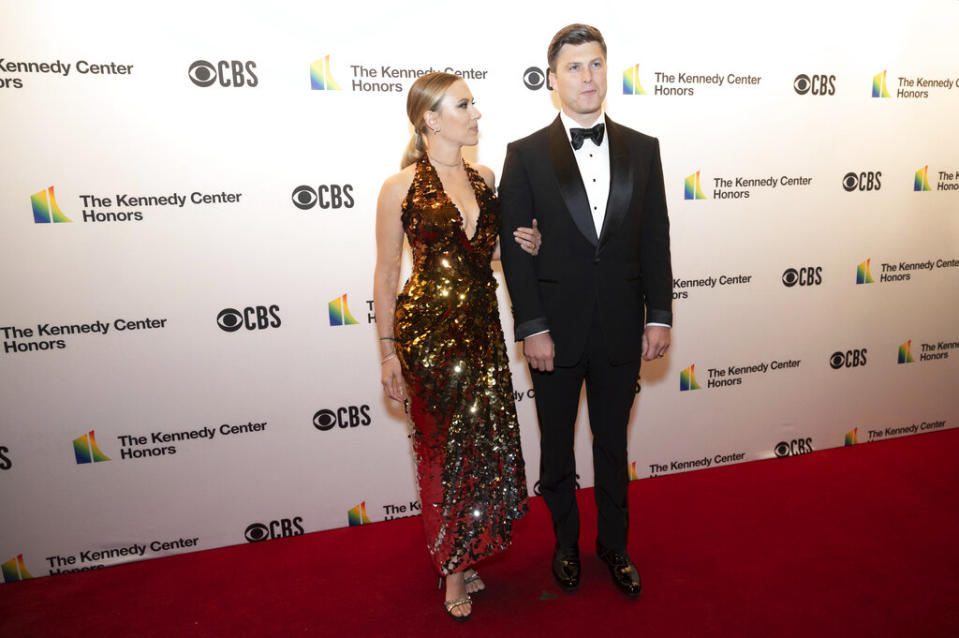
(566, 568)
(621, 568)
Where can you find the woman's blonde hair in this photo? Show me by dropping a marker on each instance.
(424, 95)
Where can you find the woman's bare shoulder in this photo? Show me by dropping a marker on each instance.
(487, 174)
(396, 186)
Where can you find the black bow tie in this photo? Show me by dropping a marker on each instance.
(578, 135)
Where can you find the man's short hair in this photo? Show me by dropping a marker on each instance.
(573, 34)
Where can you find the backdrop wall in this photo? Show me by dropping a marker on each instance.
(188, 354)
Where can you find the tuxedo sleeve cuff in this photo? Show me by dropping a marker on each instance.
(659, 316)
(531, 327)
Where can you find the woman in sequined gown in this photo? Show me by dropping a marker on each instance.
(441, 341)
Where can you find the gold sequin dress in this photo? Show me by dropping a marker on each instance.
(449, 341)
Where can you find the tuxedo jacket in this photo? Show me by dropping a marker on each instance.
(622, 272)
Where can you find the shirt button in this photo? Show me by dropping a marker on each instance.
(594, 179)
(594, 208)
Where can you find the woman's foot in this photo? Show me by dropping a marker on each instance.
(458, 603)
(474, 584)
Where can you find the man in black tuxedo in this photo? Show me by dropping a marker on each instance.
(598, 296)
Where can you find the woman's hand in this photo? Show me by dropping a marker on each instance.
(529, 239)
(391, 376)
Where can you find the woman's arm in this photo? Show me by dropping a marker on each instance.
(529, 239)
(389, 254)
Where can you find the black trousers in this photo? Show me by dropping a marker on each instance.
(610, 391)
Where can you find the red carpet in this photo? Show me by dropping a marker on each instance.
(860, 541)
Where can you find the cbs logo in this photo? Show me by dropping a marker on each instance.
(864, 181)
(251, 318)
(794, 447)
(848, 359)
(349, 416)
(534, 78)
(281, 528)
(815, 84)
(325, 196)
(227, 72)
(808, 276)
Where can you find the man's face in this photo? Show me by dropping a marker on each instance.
(580, 80)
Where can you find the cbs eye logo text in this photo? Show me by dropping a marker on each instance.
(228, 73)
(281, 528)
(349, 416)
(815, 84)
(325, 196)
(805, 276)
(794, 447)
(848, 359)
(862, 181)
(251, 318)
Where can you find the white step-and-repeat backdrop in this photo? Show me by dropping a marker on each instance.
(188, 355)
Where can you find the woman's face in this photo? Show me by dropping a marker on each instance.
(457, 118)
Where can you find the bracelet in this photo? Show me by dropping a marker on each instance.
(391, 355)
(389, 338)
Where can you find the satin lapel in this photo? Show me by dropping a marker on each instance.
(570, 181)
(620, 182)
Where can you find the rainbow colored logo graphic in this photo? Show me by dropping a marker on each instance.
(14, 570)
(357, 515)
(905, 353)
(633, 476)
(852, 437)
(45, 209)
(879, 85)
(693, 191)
(321, 77)
(922, 179)
(340, 313)
(863, 276)
(631, 83)
(85, 447)
(687, 379)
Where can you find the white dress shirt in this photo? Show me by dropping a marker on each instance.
(593, 163)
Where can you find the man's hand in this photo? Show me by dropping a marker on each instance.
(539, 351)
(655, 342)
(529, 239)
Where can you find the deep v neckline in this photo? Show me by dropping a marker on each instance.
(462, 218)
